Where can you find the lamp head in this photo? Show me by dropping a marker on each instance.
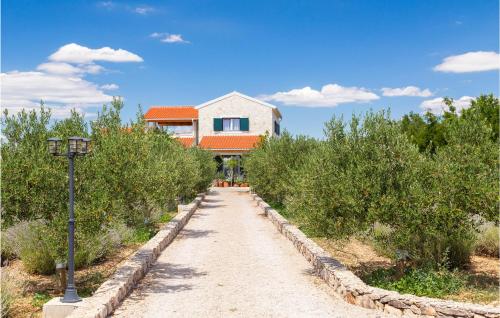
(54, 146)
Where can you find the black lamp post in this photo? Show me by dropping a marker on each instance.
(77, 146)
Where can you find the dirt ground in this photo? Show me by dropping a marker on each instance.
(33, 290)
(27, 286)
(360, 257)
(356, 255)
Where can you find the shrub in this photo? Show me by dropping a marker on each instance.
(269, 168)
(369, 172)
(130, 176)
(29, 242)
(7, 295)
(206, 170)
(356, 177)
(420, 282)
(98, 245)
(488, 241)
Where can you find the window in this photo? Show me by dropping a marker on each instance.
(231, 124)
(179, 129)
(276, 128)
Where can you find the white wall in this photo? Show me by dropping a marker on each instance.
(260, 117)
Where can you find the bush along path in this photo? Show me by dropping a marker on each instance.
(123, 190)
(422, 190)
(229, 261)
(354, 291)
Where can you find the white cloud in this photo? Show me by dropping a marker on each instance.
(478, 61)
(174, 38)
(406, 91)
(157, 34)
(168, 38)
(109, 87)
(60, 84)
(58, 68)
(74, 53)
(20, 88)
(68, 69)
(330, 95)
(106, 4)
(56, 111)
(437, 105)
(144, 10)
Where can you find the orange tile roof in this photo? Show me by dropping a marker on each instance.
(186, 141)
(229, 142)
(171, 112)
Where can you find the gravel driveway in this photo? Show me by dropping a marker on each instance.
(230, 261)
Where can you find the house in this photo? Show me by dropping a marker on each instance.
(229, 126)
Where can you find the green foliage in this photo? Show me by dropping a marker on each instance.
(269, 167)
(488, 241)
(425, 131)
(142, 234)
(207, 168)
(420, 282)
(91, 247)
(428, 131)
(486, 107)
(31, 241)
(39, 299)
(165, 218)
(131, 175)
(426, 197)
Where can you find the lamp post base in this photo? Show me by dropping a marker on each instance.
(55, 308)
(70, 296)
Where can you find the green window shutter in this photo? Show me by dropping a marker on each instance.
(217, 124)
(244, 124)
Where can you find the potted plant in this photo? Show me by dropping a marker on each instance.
(239, 181)
(244, 183)
(226, 183)
(219, 179)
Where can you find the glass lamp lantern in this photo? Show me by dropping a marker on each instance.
(85, 146)
(54, 146)
(73, 143)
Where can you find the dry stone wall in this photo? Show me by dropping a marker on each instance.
(355, 291)
(111, 293)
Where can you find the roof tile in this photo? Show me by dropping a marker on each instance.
(229, 142)
(171, 112)
(186, 141)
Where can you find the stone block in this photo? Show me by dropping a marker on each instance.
(54, 308)
(393, 310)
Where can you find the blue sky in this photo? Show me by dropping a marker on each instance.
(313, 59)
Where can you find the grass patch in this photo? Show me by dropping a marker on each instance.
(420, 282)
(39, 299)
(166, 217)
(143, 234)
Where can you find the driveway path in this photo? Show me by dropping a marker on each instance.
(230, 261)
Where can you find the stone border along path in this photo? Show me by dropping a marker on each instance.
(230, 261)
(354, 291)
(109, 295)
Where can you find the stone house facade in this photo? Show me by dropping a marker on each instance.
(229, 126)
